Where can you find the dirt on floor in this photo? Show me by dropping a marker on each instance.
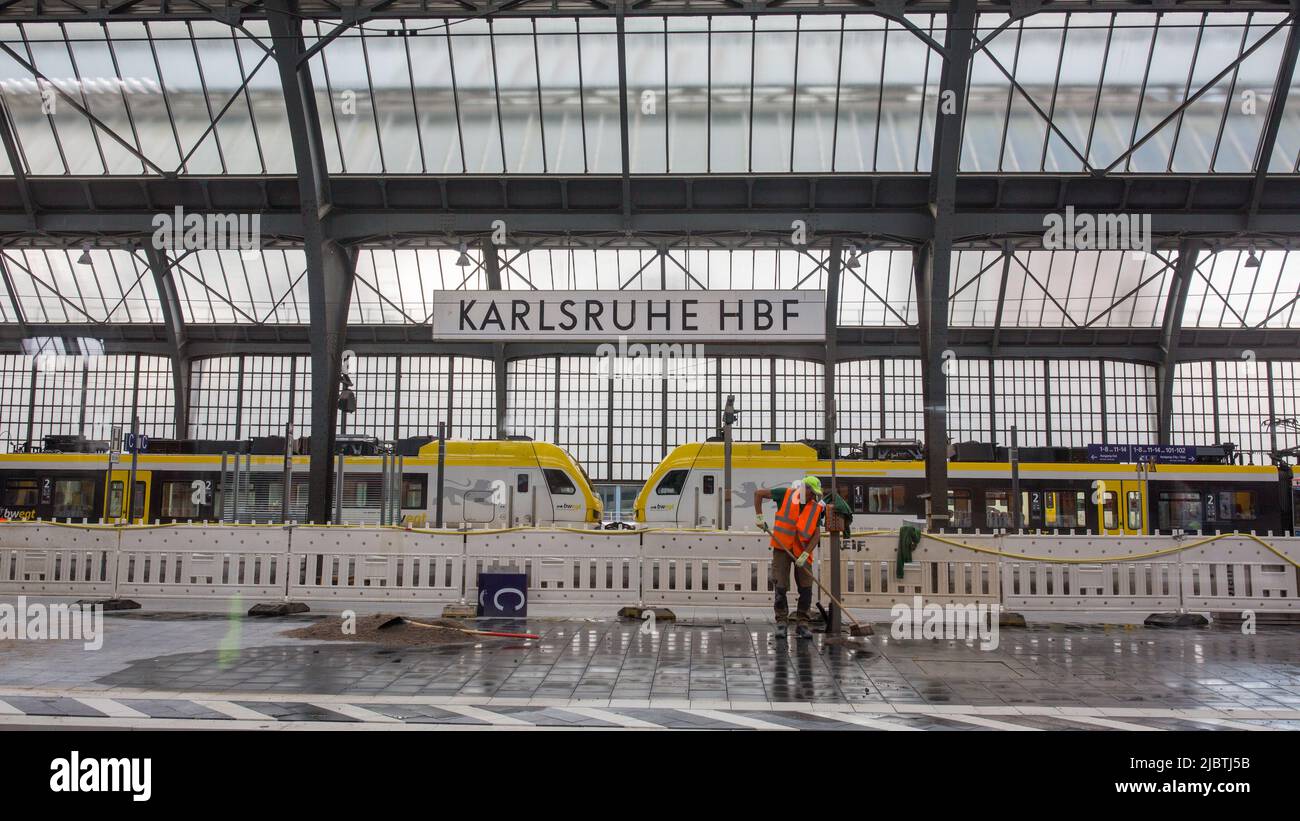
(442, 631)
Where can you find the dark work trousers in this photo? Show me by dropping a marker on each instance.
(782, 562)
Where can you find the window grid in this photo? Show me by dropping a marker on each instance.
(214, 387)
(1194, 414)
(1243, 408)
(1074, 390)
(1018, 384)
(1131, 403)
(15, 390)
(749, 379)
(473, 406)
(693, 411)
(265, 399)
(530, 398)
(58, 393)
(857, 400)
(638, 411)
(374, 380)
(583, 413)
(1286, 401)
(424, 396)
(903, 403)
(800, 400)
(968, 400)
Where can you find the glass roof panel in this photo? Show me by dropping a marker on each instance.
(1172, 85)
(58, 285)
(1226, 291)
(242, 287)
(878, 288)
(1057, 289)
(396, 286)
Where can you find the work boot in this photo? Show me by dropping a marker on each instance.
(803, 632)
(781, 628)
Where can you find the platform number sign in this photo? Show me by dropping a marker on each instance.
(135, 444)
(47, 490)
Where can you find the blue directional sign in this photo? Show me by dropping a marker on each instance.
(1163, 454)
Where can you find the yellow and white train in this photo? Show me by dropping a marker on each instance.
(493, 483)
(686, 490)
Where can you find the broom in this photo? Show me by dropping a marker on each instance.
(398, 620)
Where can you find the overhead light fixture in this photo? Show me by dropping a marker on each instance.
(853, 263)
(84, 259)
(1252, 261)
(463, 261)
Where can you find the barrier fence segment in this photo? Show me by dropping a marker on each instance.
(43, 559)
(343, 564)
(178, 562)
(1239, 573)
(940, 573)
(705, 567)
(562, 565)
(1089, 573)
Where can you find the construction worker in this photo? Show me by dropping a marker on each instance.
(794, 534)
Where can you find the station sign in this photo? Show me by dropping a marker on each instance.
(1163, 454)
(682, 316)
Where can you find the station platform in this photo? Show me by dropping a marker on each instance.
(714, 668)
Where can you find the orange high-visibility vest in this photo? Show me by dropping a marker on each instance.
(795, 526)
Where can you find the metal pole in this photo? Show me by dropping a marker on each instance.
(1015, 480)
(385, 479)
(338, 473)
(219, 504)
(442, 462)
(397, 502)
(728, 417)
(135, 459)
(235, 481)
(287, 492)
(836, 618)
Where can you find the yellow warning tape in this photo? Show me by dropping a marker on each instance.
(1165, 551)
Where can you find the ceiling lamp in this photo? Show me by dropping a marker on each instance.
(84, 259)
(853, 263)
(1252, 261)
(463, 261)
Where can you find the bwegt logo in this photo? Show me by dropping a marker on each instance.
(954, 622)
(128, 775)
(52, 622)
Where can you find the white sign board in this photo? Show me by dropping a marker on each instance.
(756, 316)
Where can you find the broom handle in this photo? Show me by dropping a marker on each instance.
(828, 593)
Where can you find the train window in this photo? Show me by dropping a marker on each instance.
(960, 505)
(21, 493)
(997, 508)
(708, 484)
(559, 482)
(361, 491)
(1110, 510)
(1066, 508)
(1178, 510)
(74, 498)
(115, 508)
(890, 499)
(521, 483)
(671, 484)
(1237, 504)
(413, 491)
(1134, 510)
(178, 501)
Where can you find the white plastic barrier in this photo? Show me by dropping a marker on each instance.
(202, 562)
(938, 572)
(703, 567)
(1146, 584)
(1238, 573)
(373, 563)
(593, 567)
(45, 559)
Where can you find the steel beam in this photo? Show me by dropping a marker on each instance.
(330, 267)
(1170, 332)
(1276, 105)
(174, 326)
(934, 267)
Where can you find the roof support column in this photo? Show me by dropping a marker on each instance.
(933, 263)
(330, 266)
(1170, 330)
(174, 322)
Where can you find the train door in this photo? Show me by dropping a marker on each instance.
(525, 501)
(1133, 507)
(115, 505)
(706, 499)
